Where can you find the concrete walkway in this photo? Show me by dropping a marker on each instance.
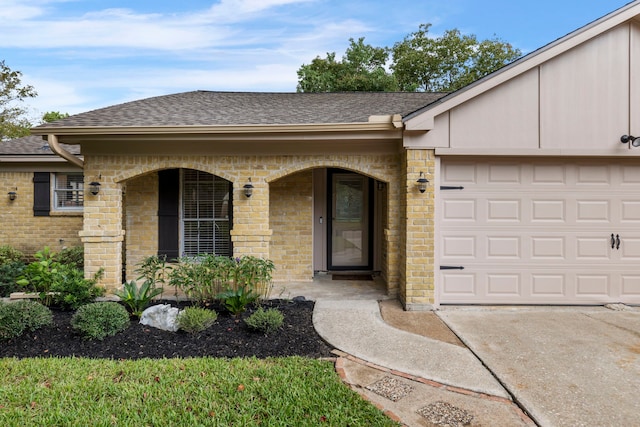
(361, 332)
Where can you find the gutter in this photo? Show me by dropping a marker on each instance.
(56, 148)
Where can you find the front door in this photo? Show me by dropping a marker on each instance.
(350, 228)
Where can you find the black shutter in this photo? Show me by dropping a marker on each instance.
(41, 193)
(168, 208)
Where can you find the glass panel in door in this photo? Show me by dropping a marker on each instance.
(349, 248)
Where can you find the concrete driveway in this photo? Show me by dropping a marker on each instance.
(576, 366)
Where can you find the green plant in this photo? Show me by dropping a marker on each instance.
(9, 273)
(137, 299)
(256, 273)
(237, 300)
(59, 284)
(203, 277)
(73, 290)
(20, 316)
(9, 254)
(265, 321)
(196, 319)
(73, 256)
(154, 269)
(100, 319)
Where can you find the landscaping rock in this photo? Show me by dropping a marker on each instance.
(161, 316)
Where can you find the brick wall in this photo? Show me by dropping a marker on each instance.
(291, 220)
(417, 237)
(254, 228)
(141, 220)
(25, 232)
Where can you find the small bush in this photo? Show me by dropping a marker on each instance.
(100, 319)
(20, 316)
(9, 273)
(9, 254)
(73, 256)
(196, 319)
(265, 321)
(59, 284)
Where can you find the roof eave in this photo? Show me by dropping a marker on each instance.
(373, 125)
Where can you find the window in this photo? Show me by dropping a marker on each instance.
(68, 191)
(205, 214)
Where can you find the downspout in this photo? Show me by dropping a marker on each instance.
(56, 148)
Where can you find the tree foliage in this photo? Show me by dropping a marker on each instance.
(448, 62)
(13, 121)
(418, 63)
(362, 69)
(52, 116)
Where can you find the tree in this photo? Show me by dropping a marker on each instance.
(448, 62)
(419, 63)
(52, 116)
(362, 69)
(13, 123)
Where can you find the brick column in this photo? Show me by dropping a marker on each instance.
(417, 278)
(251, 234)
(102, 233)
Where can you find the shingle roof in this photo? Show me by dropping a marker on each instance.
(32, 145)
(205, 108)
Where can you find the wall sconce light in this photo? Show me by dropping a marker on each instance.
(248, 188)
(634, 140)
(422, 183)
(12, 195)
(94, 188)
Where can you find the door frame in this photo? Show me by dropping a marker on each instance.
(370, 223)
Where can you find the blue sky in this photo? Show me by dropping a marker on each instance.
(86, 54)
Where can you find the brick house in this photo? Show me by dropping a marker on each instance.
(532, 193)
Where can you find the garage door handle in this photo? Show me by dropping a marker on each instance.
(617, 241)
(451, 267)
(613, 241)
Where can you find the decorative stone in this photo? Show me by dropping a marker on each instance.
(161, 316)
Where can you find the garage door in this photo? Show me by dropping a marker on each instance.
(539, 231)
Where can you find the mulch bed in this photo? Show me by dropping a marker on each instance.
(229, 337)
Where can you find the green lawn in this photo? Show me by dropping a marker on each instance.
(291, 391)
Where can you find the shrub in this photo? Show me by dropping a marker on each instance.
(202, 278)
(9, 254)
(255, 273)
(237, 300)
(100, 319)
(59, 284)
(138, 299)
(265, 321)
(9, 273)
(196, 319)
(154, 269)
(73, 256)
(20, 316)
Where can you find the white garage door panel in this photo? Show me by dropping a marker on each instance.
(539, 232)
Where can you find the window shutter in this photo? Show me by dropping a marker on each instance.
(168, 205)
(41, 193)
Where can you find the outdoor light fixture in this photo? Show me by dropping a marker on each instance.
(634, 140)
(94, 187)
(248, 188)
(422, 183)
(12, 195)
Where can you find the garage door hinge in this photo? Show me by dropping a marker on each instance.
(448, 187)
(451, 267)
